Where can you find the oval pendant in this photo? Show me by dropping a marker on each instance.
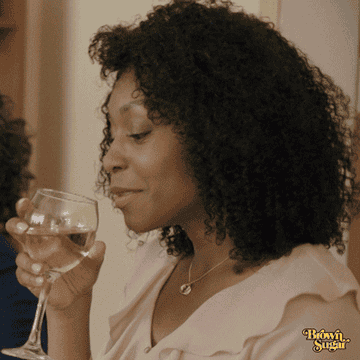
(185, 289)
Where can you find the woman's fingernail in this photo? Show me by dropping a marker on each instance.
(91, 252)
(36, 268)
(21, 227)
(21, 201)
(39, 280)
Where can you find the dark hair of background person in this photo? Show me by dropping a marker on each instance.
(17, 304)
(264, 130)
(15, 151)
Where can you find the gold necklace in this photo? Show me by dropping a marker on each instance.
(186, 288)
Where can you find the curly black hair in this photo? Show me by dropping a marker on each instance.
(264, 130)
(15, 151)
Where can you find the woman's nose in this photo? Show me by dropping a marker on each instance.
(114, 159)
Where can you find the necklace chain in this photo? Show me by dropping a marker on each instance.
(186, 288)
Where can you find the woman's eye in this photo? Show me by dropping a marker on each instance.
(139, 136)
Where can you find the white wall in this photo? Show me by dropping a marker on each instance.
(326, 30)
(82, 135)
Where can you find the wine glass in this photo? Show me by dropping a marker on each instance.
(61, 232)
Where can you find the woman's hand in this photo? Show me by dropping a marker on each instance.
(72, 285)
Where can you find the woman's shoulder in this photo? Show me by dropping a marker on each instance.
(311, 269)
(313, 328)
(320, 308)
(321, 291)
(313, 312)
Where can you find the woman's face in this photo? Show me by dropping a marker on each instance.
(149, 167)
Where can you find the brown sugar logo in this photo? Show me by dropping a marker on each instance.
(323, 340)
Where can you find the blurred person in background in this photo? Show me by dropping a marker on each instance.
(17, 304)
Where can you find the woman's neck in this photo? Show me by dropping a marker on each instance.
(207, 253)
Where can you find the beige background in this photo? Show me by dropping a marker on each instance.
(63, 93)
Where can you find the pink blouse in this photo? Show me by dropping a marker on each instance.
(288, 309)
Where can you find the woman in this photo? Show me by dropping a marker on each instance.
(221, 134)
(17, 304)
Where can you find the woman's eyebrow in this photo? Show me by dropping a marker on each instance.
(125, 108)
(130, 104)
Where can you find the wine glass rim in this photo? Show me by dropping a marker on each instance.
(77, 198)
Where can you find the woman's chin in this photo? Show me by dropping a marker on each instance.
(141, 224)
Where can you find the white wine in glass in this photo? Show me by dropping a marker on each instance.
(61, 232)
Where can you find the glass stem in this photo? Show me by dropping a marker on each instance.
(35, 335)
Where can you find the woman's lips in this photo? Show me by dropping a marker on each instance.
(124, 198)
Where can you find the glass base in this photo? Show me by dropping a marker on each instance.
(26, 353)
